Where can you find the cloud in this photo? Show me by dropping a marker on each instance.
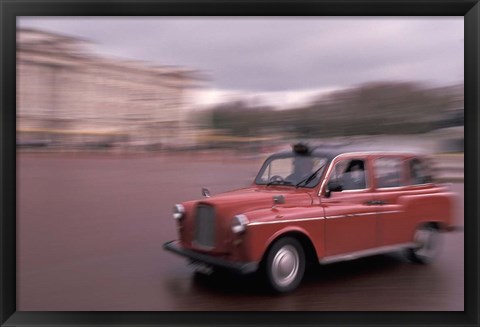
(284, 53)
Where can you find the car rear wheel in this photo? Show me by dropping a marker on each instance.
(285, 265)
(428, 241)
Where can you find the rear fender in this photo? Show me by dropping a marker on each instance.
(430, 208)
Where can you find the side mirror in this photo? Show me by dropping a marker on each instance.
(277, 199)
(333, 186)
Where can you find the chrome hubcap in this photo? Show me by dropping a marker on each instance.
(285, 265)
(427, 241)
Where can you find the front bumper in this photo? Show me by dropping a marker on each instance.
(238, 267)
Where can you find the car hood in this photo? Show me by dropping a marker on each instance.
(254, 198)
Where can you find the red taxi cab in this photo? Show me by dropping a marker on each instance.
(314, 205)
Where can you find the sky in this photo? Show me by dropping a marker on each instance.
(279, 60)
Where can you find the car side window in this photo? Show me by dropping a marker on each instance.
(351, 174)
(419, 173)
(388, 172)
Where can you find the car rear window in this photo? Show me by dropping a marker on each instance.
(419, 172)
(388, 172)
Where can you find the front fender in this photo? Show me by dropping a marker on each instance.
(284, 231)
(260, 237)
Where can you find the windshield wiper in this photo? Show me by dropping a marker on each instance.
(309, 178)
(279, 183)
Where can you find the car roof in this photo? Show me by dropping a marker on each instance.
(332, 151)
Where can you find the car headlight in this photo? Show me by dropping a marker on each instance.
(178, 211)
(239, 224)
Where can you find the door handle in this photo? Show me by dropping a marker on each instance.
(375, 202)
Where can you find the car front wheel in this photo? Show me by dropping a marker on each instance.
(428, 241)
(285, 265)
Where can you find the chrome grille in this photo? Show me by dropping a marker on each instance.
(205, 226)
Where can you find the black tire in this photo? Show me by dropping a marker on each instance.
(428, 239)
(284, 265)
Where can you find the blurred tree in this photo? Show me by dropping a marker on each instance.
(371, 108)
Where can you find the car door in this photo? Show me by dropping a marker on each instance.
(397, 177)
(350, 219)
(390, 184)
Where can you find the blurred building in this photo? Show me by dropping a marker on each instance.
(67, 95)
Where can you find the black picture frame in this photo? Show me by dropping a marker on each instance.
(10, 9)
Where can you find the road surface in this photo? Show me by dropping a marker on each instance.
(90, 230)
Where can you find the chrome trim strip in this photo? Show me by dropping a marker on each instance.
(320, 218)
(355, 191)
(365, 253)
(391, 188)
(365, 213)
(334, 217)
(351, 215)
(284, 221)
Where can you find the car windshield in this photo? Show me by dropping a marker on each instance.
(293, 170)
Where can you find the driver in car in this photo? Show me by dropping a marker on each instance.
(354, 176)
